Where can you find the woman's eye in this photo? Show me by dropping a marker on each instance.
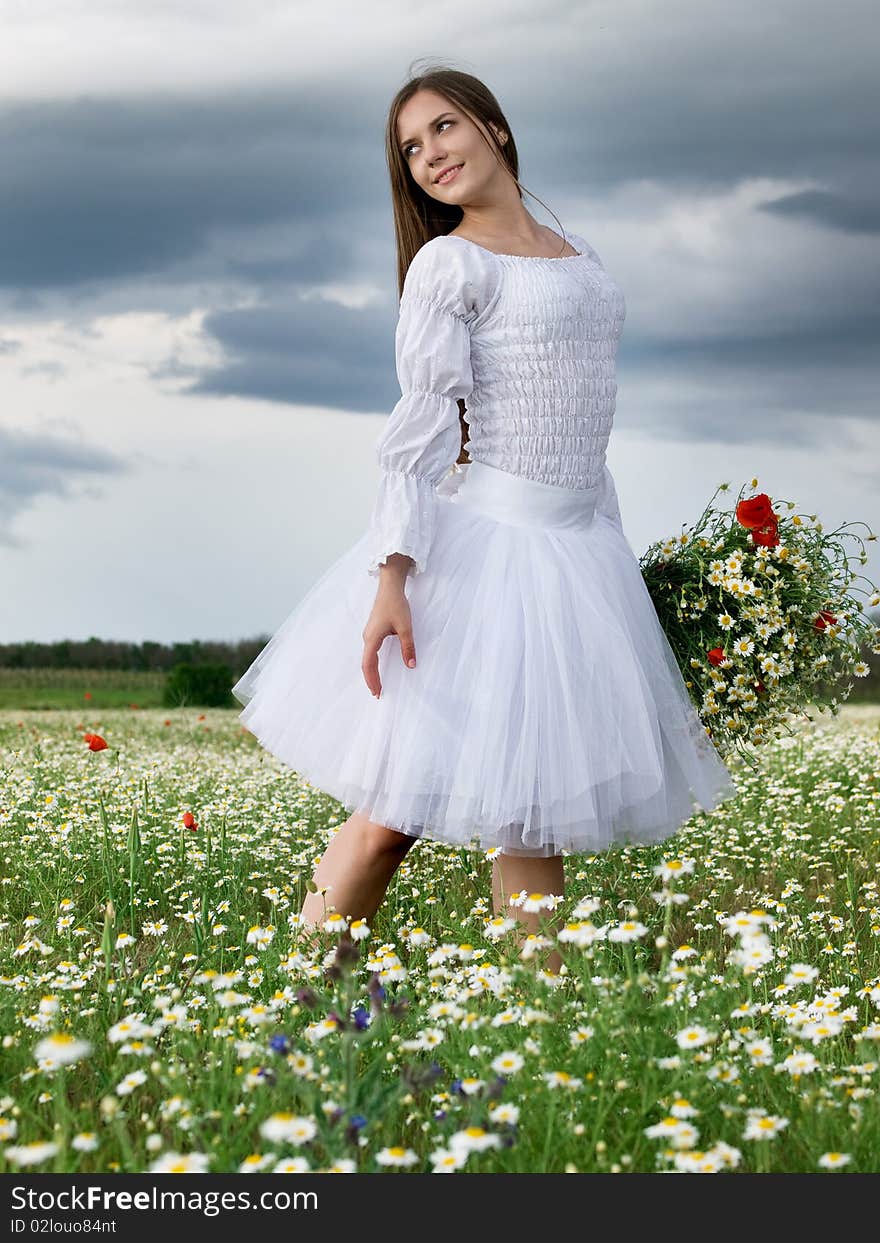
(407, 150)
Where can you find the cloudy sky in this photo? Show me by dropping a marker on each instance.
(197, 275)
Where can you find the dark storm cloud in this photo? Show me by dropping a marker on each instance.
(836, 211)
(311, 353)
(39, 464)
(95, 190)
(279, 191)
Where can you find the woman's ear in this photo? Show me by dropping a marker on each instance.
(499, 133)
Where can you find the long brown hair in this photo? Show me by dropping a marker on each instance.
(417, 216)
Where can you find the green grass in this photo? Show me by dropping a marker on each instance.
(89, 690)
(95, 848)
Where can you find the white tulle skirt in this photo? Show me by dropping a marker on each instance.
(546, 711)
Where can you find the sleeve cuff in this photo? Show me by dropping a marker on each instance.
(403, 520)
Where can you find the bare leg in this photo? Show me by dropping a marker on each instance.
(355, 869)
(512, 874)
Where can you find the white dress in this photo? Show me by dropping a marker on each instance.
(546, 711)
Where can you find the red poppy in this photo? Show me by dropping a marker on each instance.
(189, 821)
(766, 536)
(87, 695)
(95, 741)
(716, 655)
(756, 511)
(823, 619)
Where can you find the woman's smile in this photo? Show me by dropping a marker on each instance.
(449, 176)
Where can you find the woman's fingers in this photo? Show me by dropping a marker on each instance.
(387, 619)
(370, 665)
(407, 646)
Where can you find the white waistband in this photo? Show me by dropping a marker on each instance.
(519, 501)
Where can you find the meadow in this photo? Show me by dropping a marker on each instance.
(718, 1009)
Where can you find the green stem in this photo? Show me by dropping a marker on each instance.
(62, 1120)
(551, 1115)
(630, 965)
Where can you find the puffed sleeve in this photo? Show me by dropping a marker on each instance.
(422, 437)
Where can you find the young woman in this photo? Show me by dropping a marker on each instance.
(525, 700)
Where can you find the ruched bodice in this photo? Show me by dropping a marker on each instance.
(543, 360)
(530, 343)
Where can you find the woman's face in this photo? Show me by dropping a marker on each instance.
(434, 135)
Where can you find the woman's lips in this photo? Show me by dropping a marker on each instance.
(444, 181)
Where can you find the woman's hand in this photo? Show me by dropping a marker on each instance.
(390, 615)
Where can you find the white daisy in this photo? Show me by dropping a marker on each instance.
(764, 1126)
(62, 1049)
(396, 1156)
(31, 1154)
(447, 1160)
(291, 1165)
(288, 1128)
(180, 1162)
(694, 1037)
(508, 1063)
(834, 1160)
(629, 930)
(474, 1139)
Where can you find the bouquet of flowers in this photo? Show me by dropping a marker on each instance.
(757, 609)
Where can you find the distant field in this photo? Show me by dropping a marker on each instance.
(37, 689)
